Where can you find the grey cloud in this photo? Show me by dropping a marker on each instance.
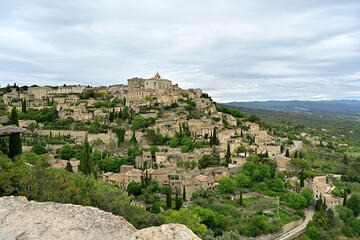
(235, 50)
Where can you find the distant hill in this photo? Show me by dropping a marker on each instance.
(343, 107)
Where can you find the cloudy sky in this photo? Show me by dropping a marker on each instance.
(234, 50)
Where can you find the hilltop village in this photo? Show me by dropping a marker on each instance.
(151, 131)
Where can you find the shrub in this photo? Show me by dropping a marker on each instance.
(38, 149)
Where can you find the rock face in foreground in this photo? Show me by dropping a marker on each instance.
(23, 219)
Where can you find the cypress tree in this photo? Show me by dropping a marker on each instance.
(215, 141)
(86, 163)
(146, 180)
(23, 106)
(287, 153)
(168, 197)
(14, 139)
(324, 204)
(133, 139)
(296, 154)
(346, 160)
(301, 179)
(184, 194)
(281, 148)
(68, 167)
(142, 181)
(228, 154)
(4, 148)
(267, 154)
(211, 140)
(241, 199)
(178, 202)
(242, 134)
(345, 197)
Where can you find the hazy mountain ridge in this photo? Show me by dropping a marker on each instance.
(351, 107)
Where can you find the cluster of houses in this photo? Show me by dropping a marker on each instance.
(191, 182)
(164, 166)
(138, 93)
(322, 187)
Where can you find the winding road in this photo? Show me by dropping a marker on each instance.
(293, 233)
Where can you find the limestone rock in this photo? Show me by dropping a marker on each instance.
(10, 130)
(23, 219)
(166, 231)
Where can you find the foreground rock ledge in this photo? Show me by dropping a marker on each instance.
(23, 219)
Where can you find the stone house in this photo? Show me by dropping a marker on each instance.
(262, 140)
(206, 182)
(191, 186)
(11, 96)
(319, 186)
(26, 123)
(139, 162)
(39, 92)
(238, 161)
(203, 151)
(253, 128)
(160, 158)
(331, 201)
(282, 163)
(161, 176)
(126, 168)
(105, 176)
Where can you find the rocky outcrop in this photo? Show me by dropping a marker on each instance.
(10, 130)
(23, 219)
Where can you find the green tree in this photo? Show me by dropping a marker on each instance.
(138, 123)
(301, 179)
(257, 225)
(15, 147)
(309, 195)
(354, 204)
(346, 160)
(4, 148)
(228, 154)
(174, 142)
(295, 200)
(312, 232)
(321, 218)
(133, 139)
(242, 180)
(184, 194)
(134, 188)
(227, 185)
(241, 199)
(153, 149)
(23, 106)
(86, 165)
(66, 152)
(155, 208)
(178, 201)
(299, 164)
(31, 127)
(287, 153)
(187, 217)
(68, 167)
(38, 149)
(168, 197)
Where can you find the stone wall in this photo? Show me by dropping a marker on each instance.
(107, 138)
